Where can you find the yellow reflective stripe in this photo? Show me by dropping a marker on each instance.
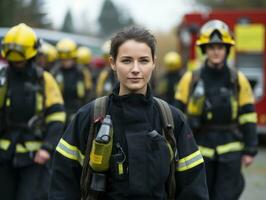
(190, 161)
(230, 147)
(8, 102)
(234, 107)
(207, 152)
(70, 151)
(81, 89)
(4, 144)
(39, 102)
(28, 146)
(248, 118)
(58, 116)
(182, 89)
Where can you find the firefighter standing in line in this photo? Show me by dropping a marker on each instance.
(173, 66)
(31, 118)
(140, 154)
(106, 78)
(47, 56)
(70, 78)
(219, 104)
(84, 57)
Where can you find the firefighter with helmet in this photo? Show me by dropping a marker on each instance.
(173, 66)
(31, 115)
(84, 57)
(219, 104)
(106, 78)
(47, 56)
(70, 78)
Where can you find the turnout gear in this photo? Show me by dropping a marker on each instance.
(220, 108)
(73, 86)
(32, 118)
(20, 43)
(67, 49)
(105, 82)
(138, 138)
(168, 82)
(100, 105)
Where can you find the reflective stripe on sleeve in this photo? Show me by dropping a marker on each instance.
(190, 161)
(70, 151)
(28, 146)
(58, 116)
(207, 152)
(230, 147)
(248, 118)
(4, 144)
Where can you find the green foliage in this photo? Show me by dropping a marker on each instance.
(30, 12)
(239, 4)
(111, 20)
(68, 24)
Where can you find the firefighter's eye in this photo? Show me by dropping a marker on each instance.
(144, 61)
(126, 61)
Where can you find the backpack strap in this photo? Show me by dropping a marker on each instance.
(168, 131)
(195, 78)
(98, 112)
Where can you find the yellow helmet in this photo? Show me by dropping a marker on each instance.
(49, 51)
(20, 43)
(66, 48)
(84, 55)
(172, 61)
(215, 31)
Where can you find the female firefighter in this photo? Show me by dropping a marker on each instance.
(134, 154)
(219, 103)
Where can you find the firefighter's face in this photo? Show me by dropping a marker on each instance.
(18, 65)
(67, 63)
(133, 66)
(216, 53)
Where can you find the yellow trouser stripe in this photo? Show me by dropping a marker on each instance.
(4, 144)
(207, 152)
(190, 161)
(70, 151)
(58, 116)
(230, 147)
(248, 118)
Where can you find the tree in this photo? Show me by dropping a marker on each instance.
(30, 12)
(68, 23)
(234, 4)
(111, 20)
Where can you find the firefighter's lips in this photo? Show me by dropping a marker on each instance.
(135, 79)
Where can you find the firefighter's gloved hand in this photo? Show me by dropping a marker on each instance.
(247, 160)
(42, 156)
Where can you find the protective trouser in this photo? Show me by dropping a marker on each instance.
(27, 183)
(224, 179)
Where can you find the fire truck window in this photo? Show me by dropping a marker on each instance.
(249, 60)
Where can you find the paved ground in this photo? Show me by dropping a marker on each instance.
(255, 177)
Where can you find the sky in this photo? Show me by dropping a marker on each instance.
(158, 15)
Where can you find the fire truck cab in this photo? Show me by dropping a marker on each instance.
(249, 54)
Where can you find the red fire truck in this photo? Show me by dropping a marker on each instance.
(249, 53)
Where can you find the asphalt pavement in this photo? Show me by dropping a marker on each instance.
(255, 177)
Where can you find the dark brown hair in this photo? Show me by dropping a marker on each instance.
(138, 34)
